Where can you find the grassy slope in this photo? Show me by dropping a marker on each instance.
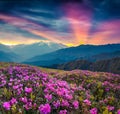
(47, 70)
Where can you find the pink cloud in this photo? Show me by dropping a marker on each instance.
(80, 24)
(80, 21)
(32, 27)
(106, 32)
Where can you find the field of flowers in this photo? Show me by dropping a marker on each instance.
(30, 90)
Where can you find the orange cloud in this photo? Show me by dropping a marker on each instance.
(38, 29)
(31, 27)
(80, 21)
(106, 32)
(8, 39)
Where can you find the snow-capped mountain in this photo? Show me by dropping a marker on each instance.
(26, 51)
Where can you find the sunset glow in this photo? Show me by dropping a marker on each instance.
(73, 23)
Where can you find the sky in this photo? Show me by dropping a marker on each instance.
(70, 22)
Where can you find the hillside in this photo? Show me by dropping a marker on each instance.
(8, 57)
(26, 51)
(103, 56)
(40, 48)
(4, 48)
(73, 92)
(77, 64)
(109, 65)
(72, 53)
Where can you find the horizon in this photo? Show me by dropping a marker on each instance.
(67, 46)
(70, 22)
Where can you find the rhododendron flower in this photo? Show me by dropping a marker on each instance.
(118, 112)
(26, 78)
(4, 82)
(63, 112)
(10, 84)
(65, 103)
(87, 102)
(13, 101)
(110, 108)
(76, 104)
(93, 111)
(59, 93)
(28, 105)
(15, 87)
(28, 90)
(34, 105)
(23, 99)
(35, 92)
(6, 105)
(69, 97)
(107, 89)
(48, 97)
(45, 109)
(56, 104)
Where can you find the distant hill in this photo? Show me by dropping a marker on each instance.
(103, 56)
(77, 64)
(46, 63)
(40, 48)
(8, 57)
(73, 53)
(31, 50)
(4, 48)
(110, 65)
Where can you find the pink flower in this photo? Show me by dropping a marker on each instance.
(118, 112)
(45, 109)
(15, 87)
(65, 103)
(48, 97)
(13, 101)
(110, 108)
(76, 104)
(23, 99)
(10, 84)
(87, 102)
(107, 89)
(56, 104)
(69, 97)
(28, 90)
(93, 111)
(26, 78)
(28, 105)
(63, 112)
(34, 105)
(6, 105)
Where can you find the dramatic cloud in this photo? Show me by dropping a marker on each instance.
(70, 22)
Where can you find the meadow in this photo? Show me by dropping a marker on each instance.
(32, 90)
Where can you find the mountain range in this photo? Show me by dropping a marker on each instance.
(87, 52)
(8, 57)
(53, 55)
(30, 50)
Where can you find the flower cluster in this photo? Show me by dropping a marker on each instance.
(25, 89)
(98, 92)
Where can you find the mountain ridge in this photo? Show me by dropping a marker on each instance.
(73, 53)
(109, 65)
(30, 50)
(8, 57)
